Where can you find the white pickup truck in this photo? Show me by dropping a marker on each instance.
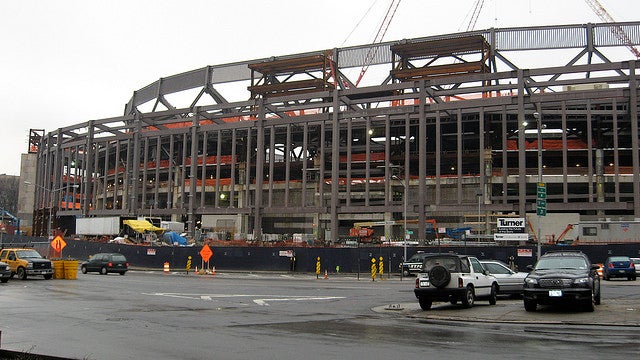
(453, 278)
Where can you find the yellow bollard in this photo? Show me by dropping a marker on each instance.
(188, 264)
(381, 267)
(318, 268)
(374, 269)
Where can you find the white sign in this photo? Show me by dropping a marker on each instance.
(286, 253)
(510, 237)
(525, 253)
(511, 225)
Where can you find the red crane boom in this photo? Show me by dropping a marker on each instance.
(618, 31)
(382, 30)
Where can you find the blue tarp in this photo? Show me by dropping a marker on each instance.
(173, 238)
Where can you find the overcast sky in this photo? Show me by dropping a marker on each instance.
(65, 62)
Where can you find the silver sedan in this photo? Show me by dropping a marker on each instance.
(636, 263)
(510, 282)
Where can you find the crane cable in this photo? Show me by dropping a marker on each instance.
(382, 30)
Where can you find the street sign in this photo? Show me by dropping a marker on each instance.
(542, 191)
(58, 244)
(541, 203)
(206, 253)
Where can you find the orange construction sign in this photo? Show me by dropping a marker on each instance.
(58, 244)
(206, 253)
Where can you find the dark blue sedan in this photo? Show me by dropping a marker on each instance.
(619, 266)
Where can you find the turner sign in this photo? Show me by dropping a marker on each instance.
(511, 225)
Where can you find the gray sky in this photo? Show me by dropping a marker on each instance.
(64, 62)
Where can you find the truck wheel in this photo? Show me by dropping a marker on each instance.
(469, 297)
(406, 273)
(103, 270)
(493, 296)
(21, 273)
(530, 305)
(4, 280)
(425, 303)
(439, 276)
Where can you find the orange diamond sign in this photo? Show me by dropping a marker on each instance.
(58, 244)
(206, 253)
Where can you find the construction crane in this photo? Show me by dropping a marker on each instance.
(382, 30)
(617, 30)
(476, 9)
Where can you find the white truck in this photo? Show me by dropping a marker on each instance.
(109, 226)
(453, 278)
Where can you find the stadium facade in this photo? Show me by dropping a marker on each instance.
(456, 128)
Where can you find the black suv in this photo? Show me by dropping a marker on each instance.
(105, 263)
(413, 265)
(562, 277)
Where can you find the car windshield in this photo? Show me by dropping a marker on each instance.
(28, 254)
(618, 258)
(496, 268)
(569, 263)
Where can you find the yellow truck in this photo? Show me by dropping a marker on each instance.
(26, 262)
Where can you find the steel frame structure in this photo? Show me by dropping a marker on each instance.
(328, 158)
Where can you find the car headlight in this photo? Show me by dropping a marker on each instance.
(29, 265)
(582, 281)
(530, 281)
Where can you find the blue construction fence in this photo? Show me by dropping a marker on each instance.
(302, 259)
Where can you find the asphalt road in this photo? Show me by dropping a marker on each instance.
(151, 315)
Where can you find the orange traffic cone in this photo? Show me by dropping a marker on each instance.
(326, 274)
(166, 267)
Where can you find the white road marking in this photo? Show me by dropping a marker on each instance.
(261, 300)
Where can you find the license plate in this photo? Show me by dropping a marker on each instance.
(621, 271)
(424, 283)
(555, 293)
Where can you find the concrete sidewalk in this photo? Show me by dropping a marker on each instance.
(614, 312)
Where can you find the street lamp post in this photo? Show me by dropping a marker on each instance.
(404, 236)
(539, 128)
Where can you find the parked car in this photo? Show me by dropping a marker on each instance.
(105, 263)
(5, 272)
(636, 264)
(509, 281)
(619, 266)
(562, 277)
(413, 265)
(453, 278)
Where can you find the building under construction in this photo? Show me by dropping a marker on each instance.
(450, 128)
